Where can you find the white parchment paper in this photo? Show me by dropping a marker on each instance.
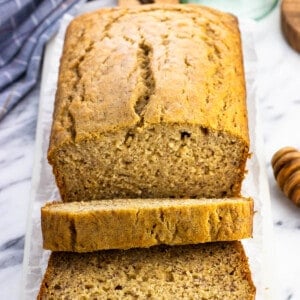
(44, 188)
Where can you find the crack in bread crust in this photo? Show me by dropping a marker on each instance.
(144, 59)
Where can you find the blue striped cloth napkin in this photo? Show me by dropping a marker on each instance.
(25, 27)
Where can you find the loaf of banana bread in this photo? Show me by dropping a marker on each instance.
(150, 104)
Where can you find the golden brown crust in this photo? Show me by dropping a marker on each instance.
(208, 88)
(131, 223)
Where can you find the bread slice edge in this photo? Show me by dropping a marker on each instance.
(129, 223)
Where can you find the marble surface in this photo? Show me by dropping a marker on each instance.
(278, 85)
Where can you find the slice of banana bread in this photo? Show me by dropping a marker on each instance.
(150, 104)
(129, 223)
(204, 271)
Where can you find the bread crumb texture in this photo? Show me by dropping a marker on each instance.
(150, 103)
(205, 271)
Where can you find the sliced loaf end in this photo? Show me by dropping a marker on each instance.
(204, 271)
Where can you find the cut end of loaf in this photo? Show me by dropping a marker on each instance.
(207, 271)
(152, 162)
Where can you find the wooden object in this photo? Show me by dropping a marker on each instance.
(127, 3)
(290, 22)
(286, 167)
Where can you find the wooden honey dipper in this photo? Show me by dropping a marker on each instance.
(286, 168)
